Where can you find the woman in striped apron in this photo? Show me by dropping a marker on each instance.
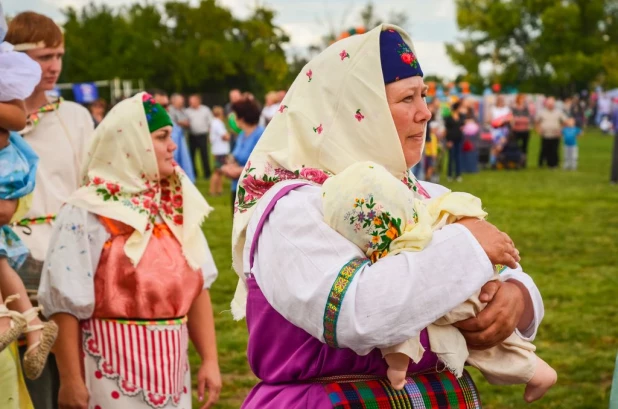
(317, 309)
(127, 275)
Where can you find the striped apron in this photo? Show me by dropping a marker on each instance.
(136, 363)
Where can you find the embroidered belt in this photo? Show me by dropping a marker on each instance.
(37, 220)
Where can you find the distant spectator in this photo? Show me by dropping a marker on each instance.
(615, 116)
(603, 107)
(220, 145)
(248, 113)
(570, 133)
(454, 139)
(200, 117)
(577, 112)
(522, 123)
(549, 126)
(235, 96)
(271, 105)
(97, 111)
(177, 111)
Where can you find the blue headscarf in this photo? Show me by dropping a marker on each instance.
(398, 60)
(18, 164)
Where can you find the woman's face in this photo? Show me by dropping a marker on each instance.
(164, 148)
(406, 100)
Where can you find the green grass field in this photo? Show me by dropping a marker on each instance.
(565, 225)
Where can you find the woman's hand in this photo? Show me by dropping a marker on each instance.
(209, 377)
(497, 245)
(498, 320)
(449, 144)
(73, 395)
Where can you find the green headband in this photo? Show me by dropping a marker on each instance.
(155, 114)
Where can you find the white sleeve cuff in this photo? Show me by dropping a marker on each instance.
(537, 301)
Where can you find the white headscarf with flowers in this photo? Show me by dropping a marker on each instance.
(334, 115)
(121, 182)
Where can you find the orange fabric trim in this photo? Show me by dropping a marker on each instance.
(110, 225)
(116, 228)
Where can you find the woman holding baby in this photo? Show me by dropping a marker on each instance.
(318, 309)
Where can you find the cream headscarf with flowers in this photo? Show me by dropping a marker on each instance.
(121, 182)
(334, 115)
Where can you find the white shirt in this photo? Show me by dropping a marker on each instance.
(387, 302)
(199, 119)
(217, 132)
(61, 140)
(268, 113)
(497, 112)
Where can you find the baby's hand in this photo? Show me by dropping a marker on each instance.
(497, 245)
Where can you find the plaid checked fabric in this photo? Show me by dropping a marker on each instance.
(425, 391)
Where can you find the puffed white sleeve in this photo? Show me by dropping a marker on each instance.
(67, 279)
(299, 261)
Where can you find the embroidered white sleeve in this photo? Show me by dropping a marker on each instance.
(67, 279)
(209, 268)
(299, 256)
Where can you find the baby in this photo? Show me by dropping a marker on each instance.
(18, 164)
(380, 214)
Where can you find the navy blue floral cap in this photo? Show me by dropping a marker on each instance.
(398, 60)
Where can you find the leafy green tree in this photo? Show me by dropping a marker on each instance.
(176, 46)
(536, 45)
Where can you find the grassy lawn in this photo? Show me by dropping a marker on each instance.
(565, 225)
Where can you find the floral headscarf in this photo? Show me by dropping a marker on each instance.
(334, 115)
(121, 182)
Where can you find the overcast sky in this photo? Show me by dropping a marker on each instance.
(431, 22)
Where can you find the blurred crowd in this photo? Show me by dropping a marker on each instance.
(467, 133)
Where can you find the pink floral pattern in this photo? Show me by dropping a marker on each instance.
(253, 186)
(162, 197)
(282, 108)
(344, 54)
(411, 182)
(156, 400)
(359, 116)
(310, 75)
(319, 129)
(128, 388)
